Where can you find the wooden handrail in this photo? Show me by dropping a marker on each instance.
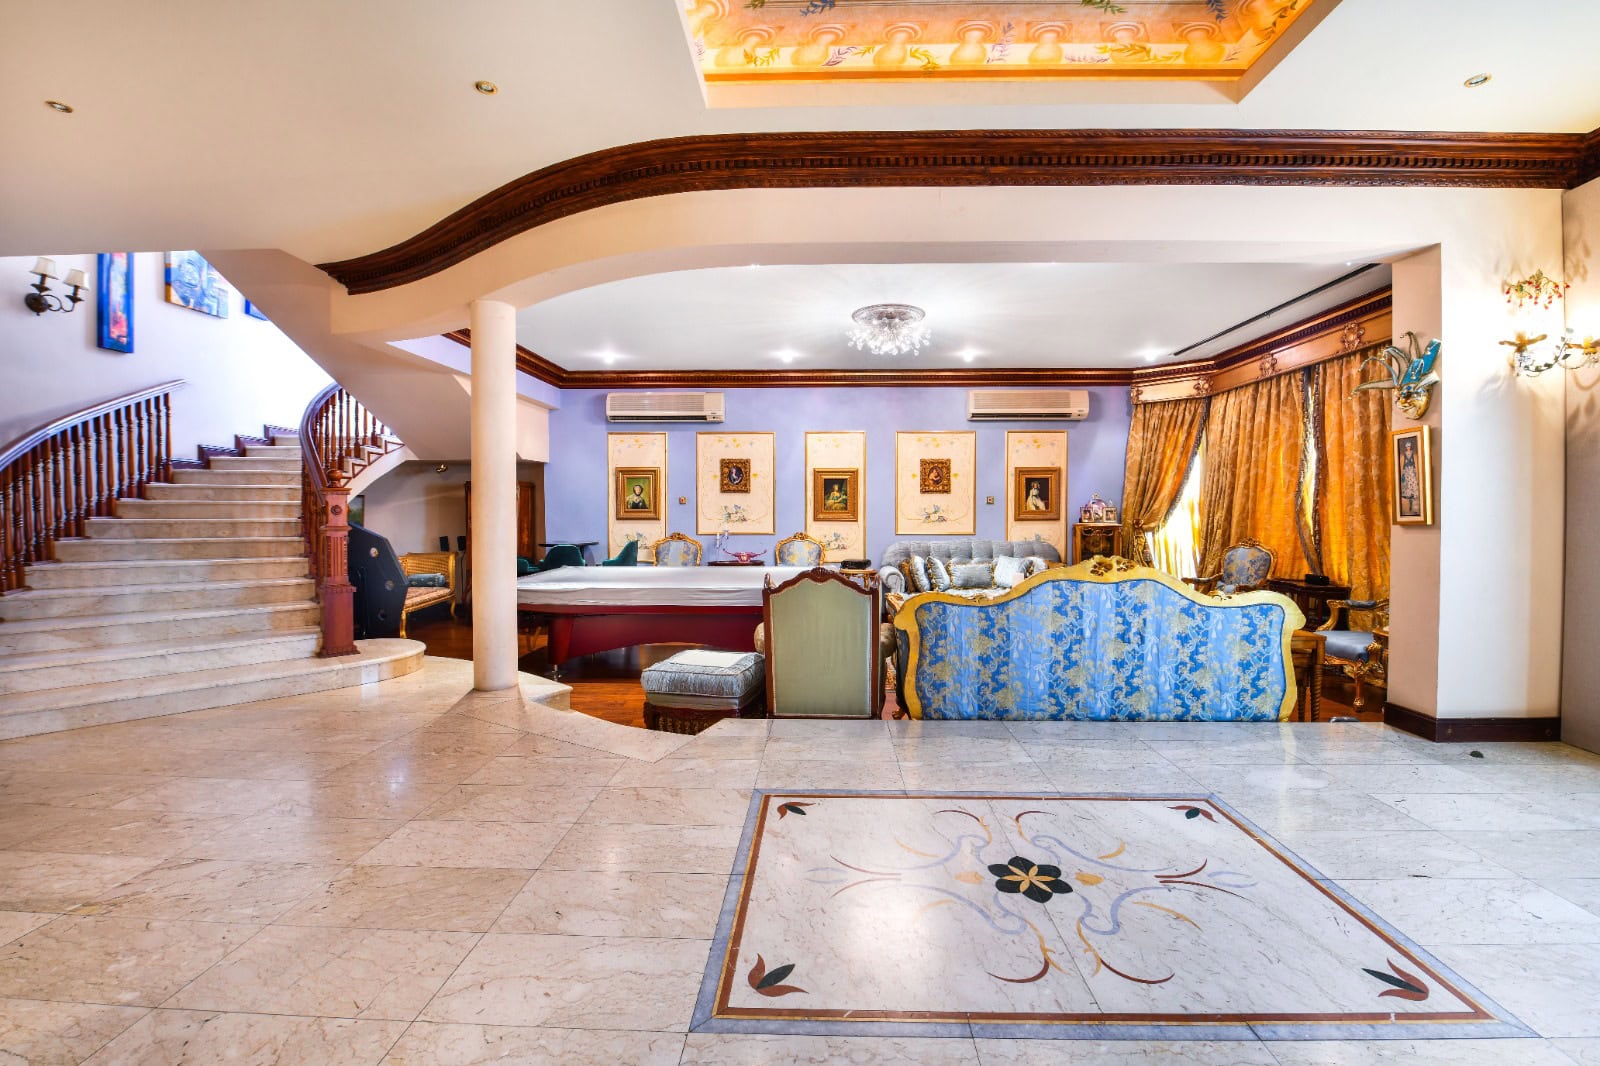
(338, 437)
(58, 475)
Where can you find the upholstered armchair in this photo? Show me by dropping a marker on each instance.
(1245, 568)
(677, 550)
(560, 555)
(1362, 653)
(628, 556)
(823, 644)
(798, 550)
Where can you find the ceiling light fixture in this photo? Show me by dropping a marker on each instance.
(786, 355)
(968, 354)
(57, 105)
(487, 88)
(1477, 80)
(889, 329)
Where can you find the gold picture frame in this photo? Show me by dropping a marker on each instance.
(1411, 476)
(733, 475)
(1036, 494)
(647, 479)
(835, 495)
(933, 476)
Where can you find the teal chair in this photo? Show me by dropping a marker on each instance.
(558, 556)
(628, 556)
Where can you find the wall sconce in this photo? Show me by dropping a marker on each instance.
(1529, 361)
(41, 299)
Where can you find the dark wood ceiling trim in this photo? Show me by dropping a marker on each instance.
(1588, 161)
(943, 158)
(1336, 318)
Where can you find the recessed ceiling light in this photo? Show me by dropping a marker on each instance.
(967, 355)
(487, 88)
(57, 105)
(1477, 80)
(786, 355)
(608, 357)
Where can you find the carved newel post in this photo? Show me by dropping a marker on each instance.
(338, 595)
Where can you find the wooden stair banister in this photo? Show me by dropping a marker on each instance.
(77, 466)
(338, 437)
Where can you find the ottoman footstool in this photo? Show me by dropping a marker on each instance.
(695, 689)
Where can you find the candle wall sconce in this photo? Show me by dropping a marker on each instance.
(41, 299)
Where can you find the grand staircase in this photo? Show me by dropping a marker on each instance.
(197, 595)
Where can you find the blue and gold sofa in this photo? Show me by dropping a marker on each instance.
(1104, 640)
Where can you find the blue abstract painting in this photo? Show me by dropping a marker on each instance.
(193, 282)
(114, 301)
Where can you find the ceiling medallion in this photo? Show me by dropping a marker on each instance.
(889, 329)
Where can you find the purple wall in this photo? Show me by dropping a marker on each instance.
(575, 481)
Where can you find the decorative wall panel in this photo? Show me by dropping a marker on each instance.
(1033, 449)
(626, 451)
(734, 482)
(830, 452)
(935, 484)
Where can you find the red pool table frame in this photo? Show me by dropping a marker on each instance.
(578, 631)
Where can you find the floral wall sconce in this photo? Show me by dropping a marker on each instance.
(1528, 359)
(1411, 374)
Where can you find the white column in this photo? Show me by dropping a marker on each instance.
(494, 496)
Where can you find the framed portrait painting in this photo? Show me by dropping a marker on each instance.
(933, 476)
(192, 282)
(114, 301)
(834, 495)
(733, 475)
(638, 493)
(1036, 496)
(1411, 477)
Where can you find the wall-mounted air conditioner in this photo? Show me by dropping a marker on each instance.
(1027, 405)
(664, 407)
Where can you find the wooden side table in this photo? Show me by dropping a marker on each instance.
(1096, 538)
(1311, 599)
(1306, 651)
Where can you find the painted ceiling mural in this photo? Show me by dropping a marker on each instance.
(761, 41)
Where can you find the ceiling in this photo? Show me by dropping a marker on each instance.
(966, 40)
(332, 130)
(1101, 315)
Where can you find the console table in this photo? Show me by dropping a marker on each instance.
(1311, 599)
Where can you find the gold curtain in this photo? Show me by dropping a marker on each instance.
(1255, 440)
(1161, 445)
(1353, 512)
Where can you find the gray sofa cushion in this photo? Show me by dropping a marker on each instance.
(957, 549)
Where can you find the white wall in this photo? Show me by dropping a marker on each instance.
(242, 372)
(1580, 675)
(414, 506)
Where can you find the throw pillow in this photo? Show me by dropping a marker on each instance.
(920, 582)
(1009, 571)
(427, 581)
(904, 566)
(972, 575)
(938, 575)
(1034, 564)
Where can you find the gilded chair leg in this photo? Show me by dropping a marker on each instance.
(1361, 699)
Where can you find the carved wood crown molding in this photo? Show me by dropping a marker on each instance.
(1285, 348)
(944, 158)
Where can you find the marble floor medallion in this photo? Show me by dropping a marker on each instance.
(1096, 916)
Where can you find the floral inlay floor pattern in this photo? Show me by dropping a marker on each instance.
(1061, 915)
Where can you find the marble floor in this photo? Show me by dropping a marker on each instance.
(406, 873)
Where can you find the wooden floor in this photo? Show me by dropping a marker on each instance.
(607, 685)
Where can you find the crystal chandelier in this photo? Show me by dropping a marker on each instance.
(889, 329)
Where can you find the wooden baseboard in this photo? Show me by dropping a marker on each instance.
(1470, 730)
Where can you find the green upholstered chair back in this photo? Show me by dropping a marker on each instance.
(561, 555)
(677, 550)
(628, 556)
(798, 550)
(821, 638)
(1245, 566)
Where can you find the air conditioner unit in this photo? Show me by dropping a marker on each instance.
(1027, 405)
(664, 407)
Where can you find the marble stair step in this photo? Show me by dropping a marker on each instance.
(273, 451)
(171, 596)
(223, 492)
(237, 509)
(132, 573)
(229, 463)
(37, 671)
(106, 549)
(144, 627)
(208, 528)
(197, 476)
(50, 710)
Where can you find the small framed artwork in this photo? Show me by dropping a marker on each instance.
(114, 301)
(253, 311)
(733, 475)
(1411, 476)
(933, 476)
(1036, 496)
(638, 492)
(193, 282)
(834, 495)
